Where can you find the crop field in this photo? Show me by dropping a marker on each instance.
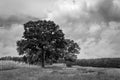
(10, 70)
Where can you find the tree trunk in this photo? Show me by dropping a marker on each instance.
(43, 59)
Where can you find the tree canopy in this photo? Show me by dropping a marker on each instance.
(43, 40)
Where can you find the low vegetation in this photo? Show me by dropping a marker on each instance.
(9, 58)
(102, 62)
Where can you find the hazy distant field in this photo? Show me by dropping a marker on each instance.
(10, 70)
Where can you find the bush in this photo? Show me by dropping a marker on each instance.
(68, 64)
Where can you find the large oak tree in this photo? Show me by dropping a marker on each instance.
(43, 40)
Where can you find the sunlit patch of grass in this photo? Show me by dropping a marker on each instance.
(8, 65)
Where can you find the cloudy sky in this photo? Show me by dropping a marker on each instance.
(93, 24)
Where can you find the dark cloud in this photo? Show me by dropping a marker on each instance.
(15, 19)
(20, 11)
(109, 10)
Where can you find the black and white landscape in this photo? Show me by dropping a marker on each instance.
(59, 39)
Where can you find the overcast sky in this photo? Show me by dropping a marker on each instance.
(94, 24)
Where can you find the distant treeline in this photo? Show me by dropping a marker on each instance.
(20, 59)
(102, 62)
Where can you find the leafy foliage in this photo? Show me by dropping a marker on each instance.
(72, 49)
(42, 41)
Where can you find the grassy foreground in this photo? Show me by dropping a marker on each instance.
(17, 71)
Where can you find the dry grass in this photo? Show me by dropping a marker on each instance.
(21, 71)
(9, 65)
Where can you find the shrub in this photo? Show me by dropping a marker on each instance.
(68, 64)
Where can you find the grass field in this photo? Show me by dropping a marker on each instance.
(10, 70)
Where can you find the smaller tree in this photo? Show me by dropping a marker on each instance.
(72, 50)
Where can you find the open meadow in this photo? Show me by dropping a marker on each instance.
(10, 70)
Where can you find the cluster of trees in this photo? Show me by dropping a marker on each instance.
(19, 59)
(43, 41)
(102, 62)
